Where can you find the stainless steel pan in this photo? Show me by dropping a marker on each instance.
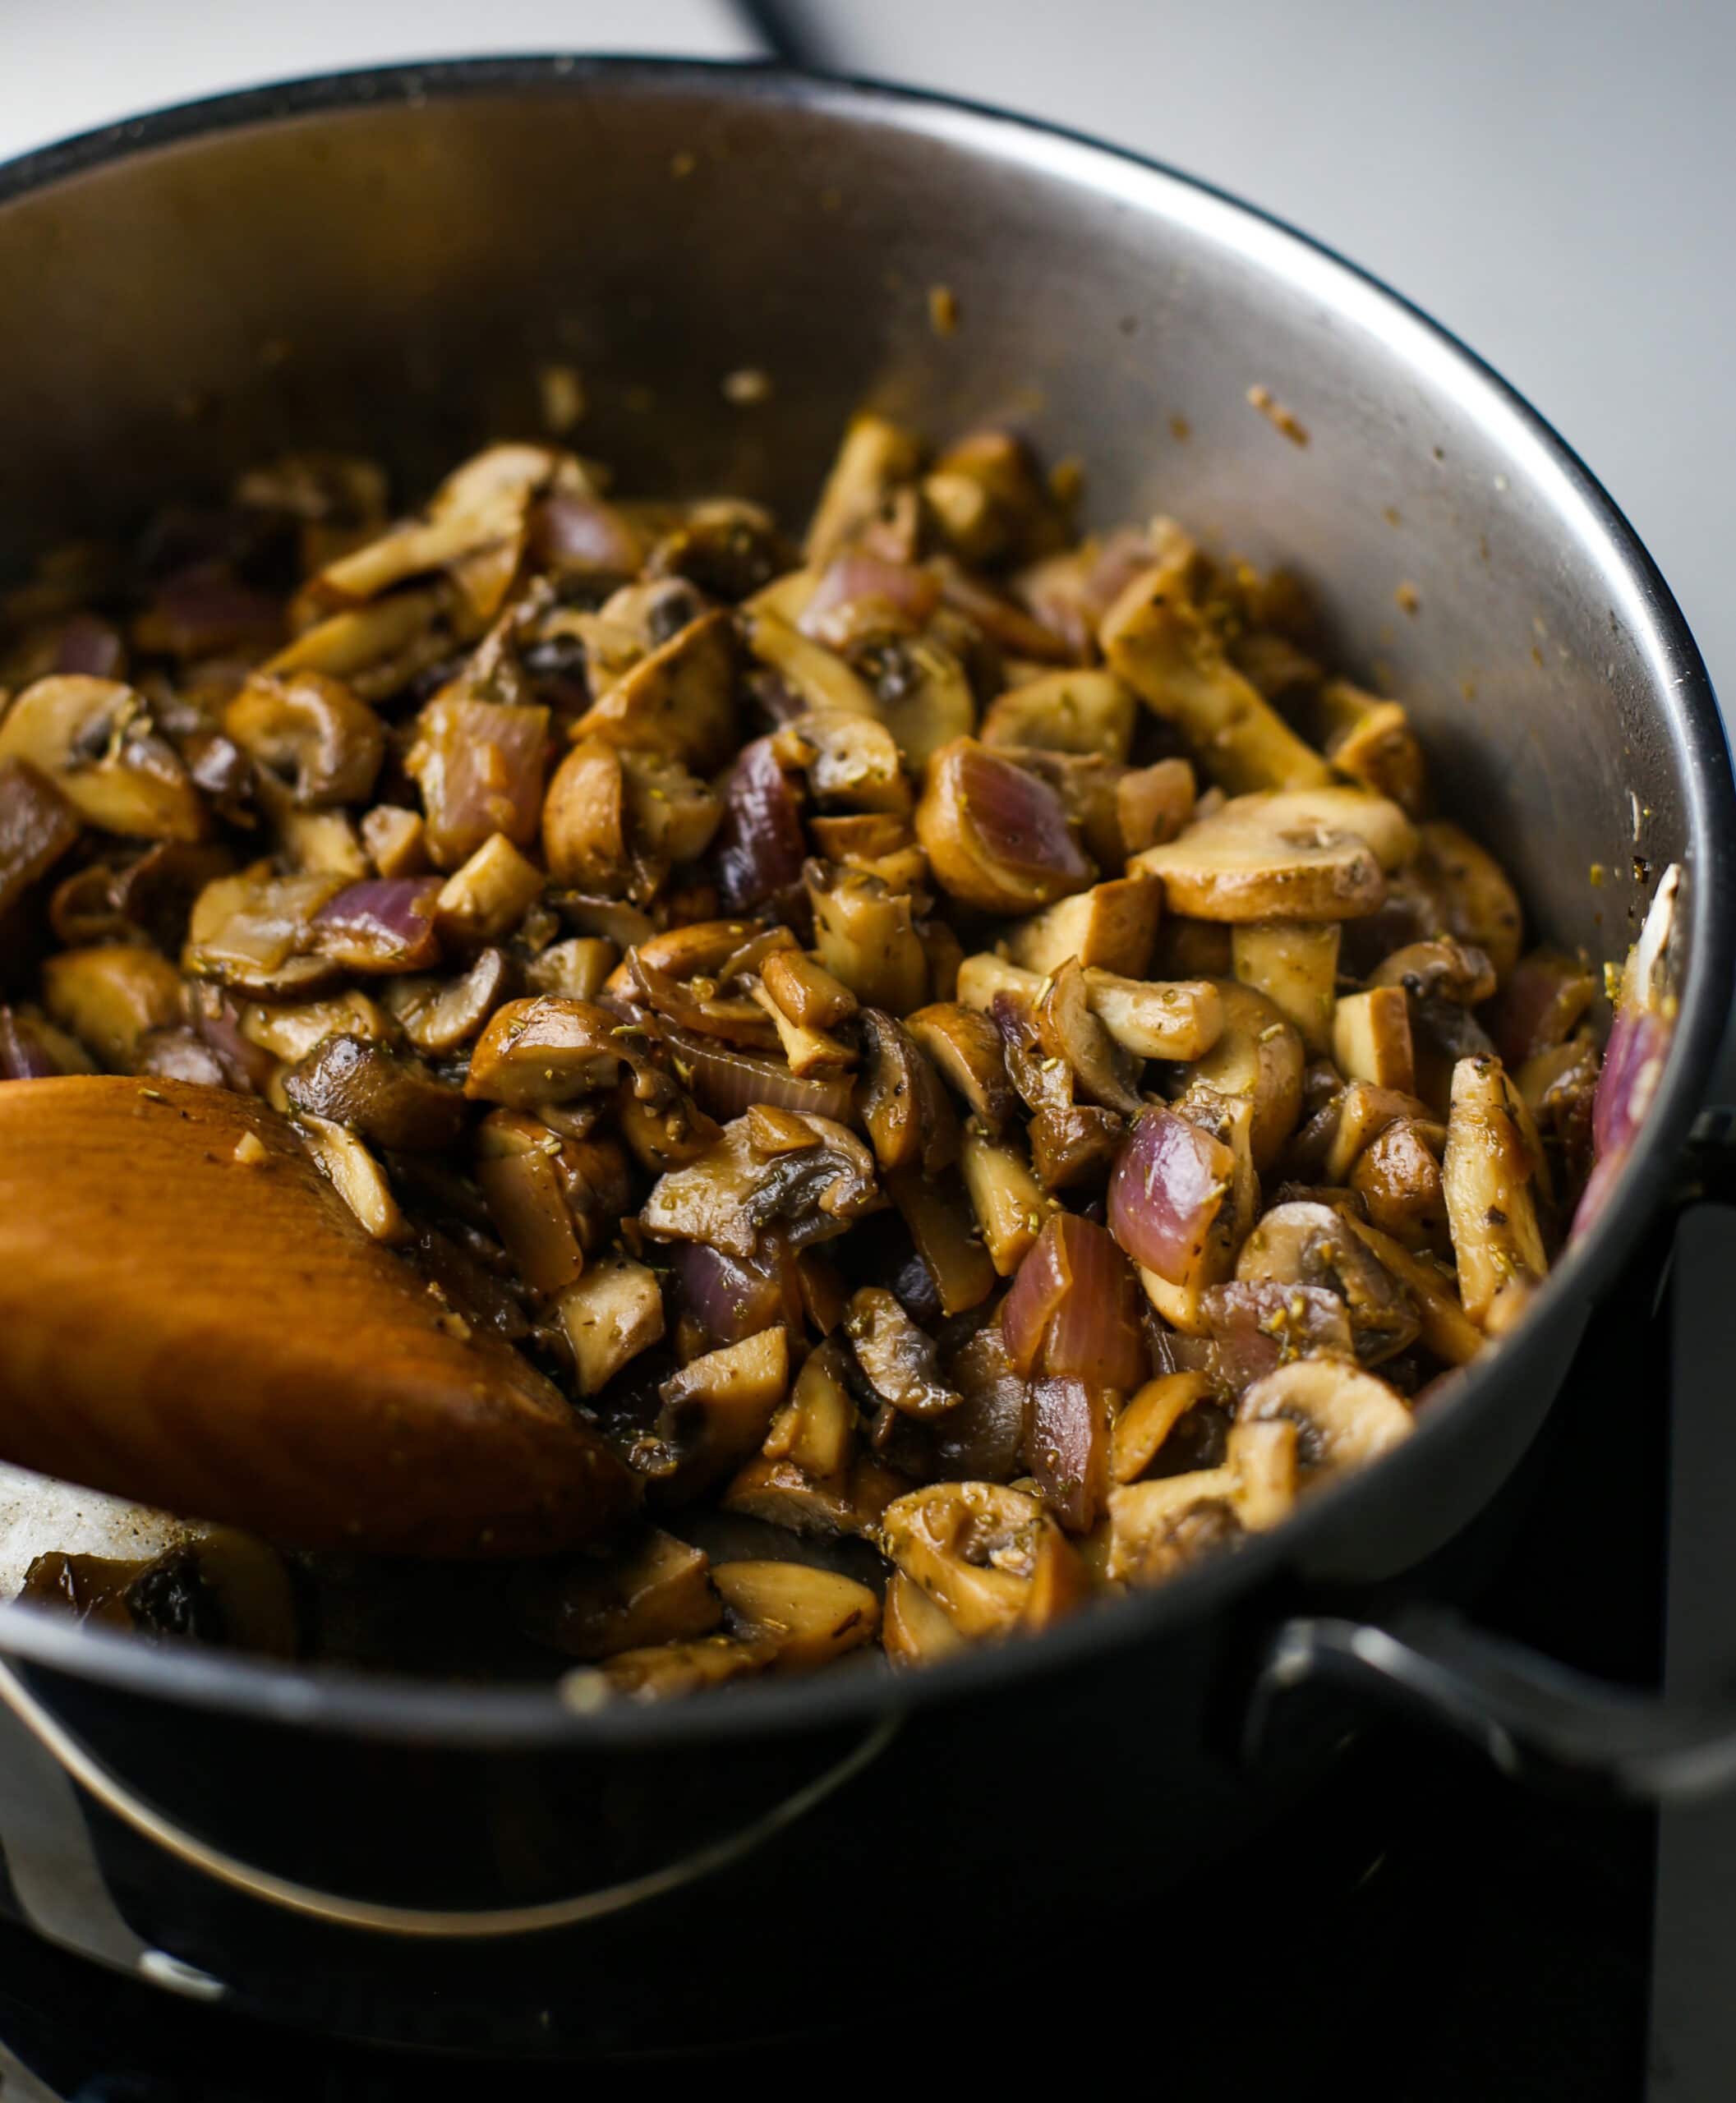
(385, 260)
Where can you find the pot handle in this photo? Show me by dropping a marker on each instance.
(1537, 1720)
(1533, 1717)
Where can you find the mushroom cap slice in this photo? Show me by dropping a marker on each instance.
(1346, 1417)
(1298, 854)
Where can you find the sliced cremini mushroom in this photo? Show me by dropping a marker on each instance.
(1371, 1038)
(1257, 1056)
(783, 1494)
(815, 1429)
(356, 1176)
(518, 1170)
(906, 1112)
(680, 701)
(1487, 1176)
(610, 1314)
(38, 824)
(820, 679)
(375, 650)
(1068, 1029)
(544, 1049)
(1305, 1243)
(1543, 1003)
(96, 740)
(944, 1230)
(852, 763)
(921, 692)
(1168, 653)
(1445, 1328)
(1345, 1417)
(737, 1186)
(809, 1616)
(439, 1015)
(1469, 893)
(913, 1630)
(311, 732)
(1308, 854)
(584, 819)
(1372, 741)
(1010, 1205)
(109, 996)
(1180, 1019)
(718, 1408)
(899, 1360)
(996, 837)
(290, 1029)
(805, 991)
(990, 1558)
(1074, 710)
(377, 1095)
(965, 1046)
(1438, 969)
(1157, 1528)
(1139, 1431)
(254, 931)
(657, 1590)
(1111, 926)
(1357, 1115)
(577, 969)
(489, 893)
(1154, 803)
(1294, 964)
(876, 455)
(866, 938)
(806, 1050)
(1398, 1177)
(663, 1671)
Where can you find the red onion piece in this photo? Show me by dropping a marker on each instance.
(203, 613)
(480, 766)
(1165, 1192)
(856, 576)
(731, 1298)
(572, 531)
(1066, 1448)
(760, 846)
(728, 1083)
(1073, 1308)
(91, 646)
(382, 924)
(1019, 820)
(24, 1056)
(248, 1066)
(1633, 1065)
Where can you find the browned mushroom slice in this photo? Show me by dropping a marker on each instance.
(783, 1494)
(109, 997)
(997, 837)
(694, 1004)
(311, 732)
(875, 457)
(518, 1169)
(584, 819)
(867, 937)
(544, 1050)
(808, 1050)
(815, 1429)
(1073, 1145)
(680, 701)
(1438, 969)
(851, 761)
(577, 969)
(1398, 1177)
(966, 1049)
(1156, 1529)
(376, 1095)
(486, 897)
(1540, 1006)
(806, 992)
(1257, 1057)
(95, 739)
(290, 1029)
(439, 1015)
(1371, 1038)
(944, 1230)
(1487, 1174)
(255, 931)
(906, 1112)
(1372, 741)
(1154, 803)
(1351, 1120)
(1345, 1417)
(1445, 1329)
(913, 1630)
(1294, 964)
(479, 765)
(356, 1176)
(1010, 1205)
(376, 650)
(1068, 1030)
(1138, 1432)
(1180, 1019)
(37, 825)
(662, 1672)
(898, 1359)
(1309, 855)
(1468, 895)
(1167, 652)
(718, 1408)
(1075, 710)
(32, 1049)
(921, 692)
(737, 1186)
(809, 1616)
(657, 1591)
(610, 1314)
(989, 1556)
(1112, 925)
(1255, 1329)
(822, 682)
(1304, 1244)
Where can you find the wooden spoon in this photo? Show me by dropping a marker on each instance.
(191, 1316)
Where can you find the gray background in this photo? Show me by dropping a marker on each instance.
(1557, 182)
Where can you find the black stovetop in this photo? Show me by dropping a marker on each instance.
(1421, 1931)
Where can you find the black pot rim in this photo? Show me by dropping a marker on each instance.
(386, 1707)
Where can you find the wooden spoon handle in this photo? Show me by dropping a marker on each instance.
(193, 1317)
